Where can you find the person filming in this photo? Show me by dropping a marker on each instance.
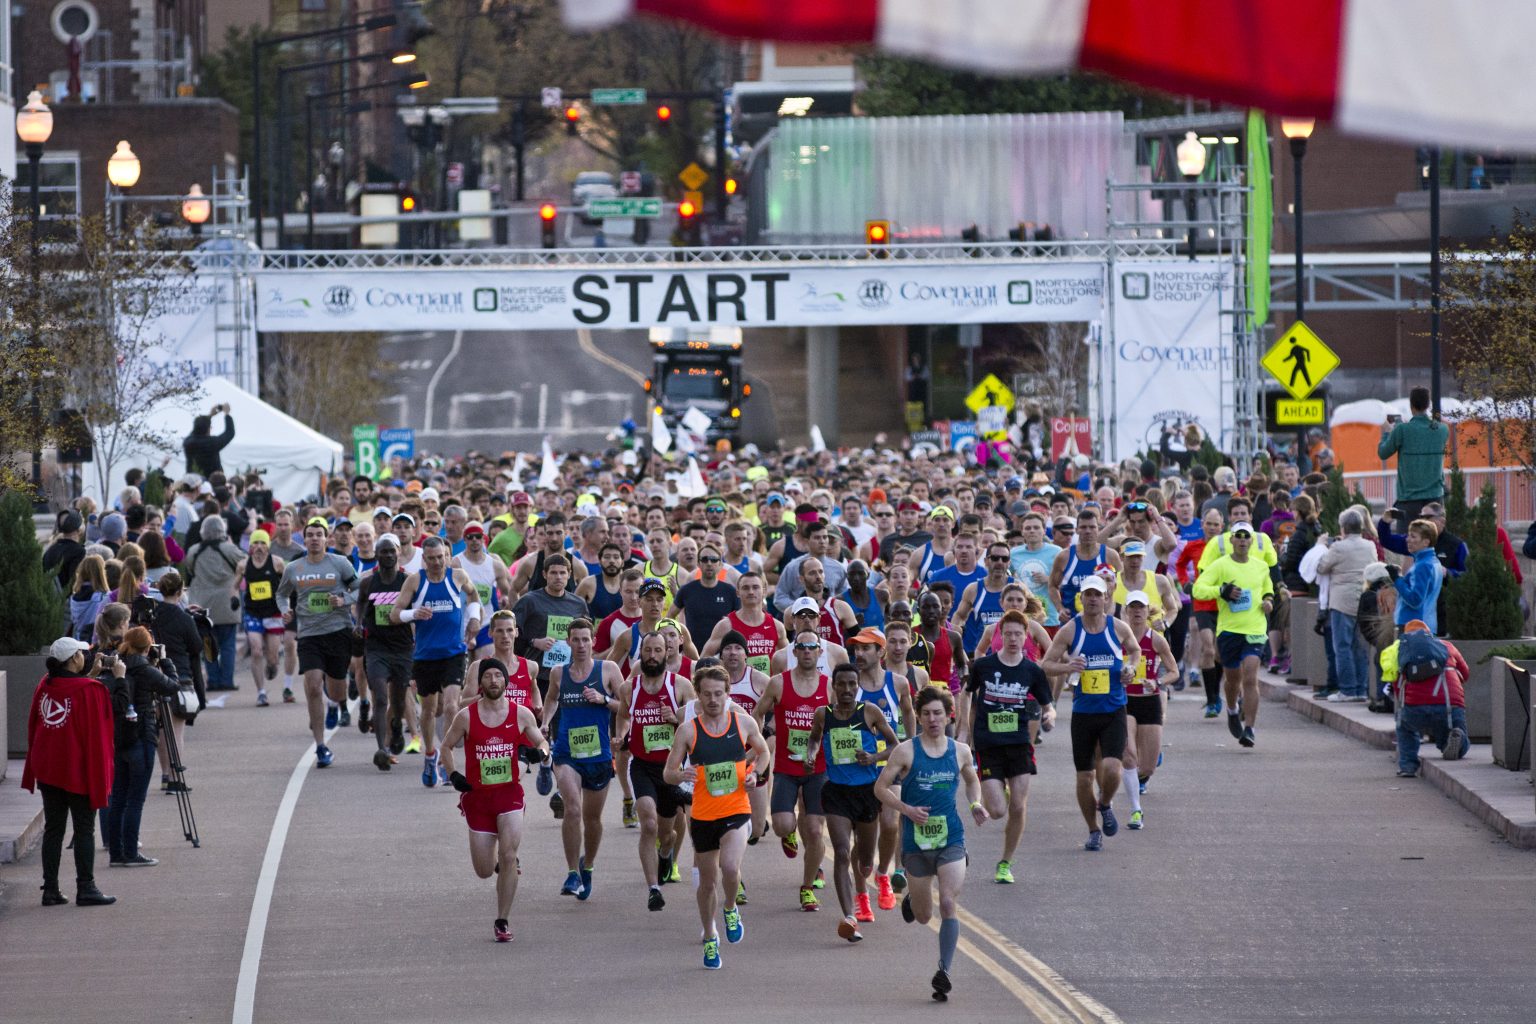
(202, 447)
(150, 674)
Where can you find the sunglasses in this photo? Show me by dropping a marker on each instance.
(997, 558)
(807, 647)
(885, 515)
(708, 561)
(1065, 529)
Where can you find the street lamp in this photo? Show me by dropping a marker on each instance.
(123, 167)
(196, 209)
(34, 123)
(1298, 130)
(1190, 156)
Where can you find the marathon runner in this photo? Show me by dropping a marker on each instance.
(625, 615)
(604, 590)
(1079, 561)
(764, 635)
(747, 688)
(792, 698)
(259, 573)
(853, 736)
(1016, 598)
(981, 602)
(582, 691)
(522, 673)
(543, 616)
(492, 728)
(1006, 692)
(489, 577)
(1241, 584)
(930, 768)
(891, 692)
(625, 652)
(1098, 654)
(1144, 702)
(285, 547)
(388, 650)
(325, 586)
(934, 553)
(805, 615)
(936, 648)
(727, 751)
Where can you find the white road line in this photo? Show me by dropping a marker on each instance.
(261, 904)
(437, 375)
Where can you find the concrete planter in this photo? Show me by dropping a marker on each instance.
(1309, 661)
(22, 674)
(1512, 713)
(1479, 686)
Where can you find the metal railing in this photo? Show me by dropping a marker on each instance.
(1513, 493)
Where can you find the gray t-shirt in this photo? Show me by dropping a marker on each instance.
(314, 583)
(289, 552)
(538, 616)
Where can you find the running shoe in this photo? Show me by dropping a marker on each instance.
(712, 954)
(413, 747)
(586, 881)
(656, 900)
(1004, 874)
(734, 929)
(261, 699)
(631, 819)
(663, 869)
(899, 880)
(1213, 710)
(557, 806)
(345, 717)
(808, 901)
(271, 671)
(848, 929)
(396, 739)
(544, 782)
(1235, 724)
(331, 714)
(287, 695)
(790, 844)
(572, 884)
(676, 874)
(364, 716)
(442, 774)
(1095, 842)
(382, 761)
(351, 688)
(1285, 665)
(429, 771)
(503, 930)
(1247, 737)
(1159, 760)
(741, 893)
(820, 881)
(941, 986)
(1141, 787)
(906, 909)
(1111, 824)
(861, 908)
(1135, 823)
(884, 895)
(322, 756)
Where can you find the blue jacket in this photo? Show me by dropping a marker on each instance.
(1449, 549)
(1418, 589)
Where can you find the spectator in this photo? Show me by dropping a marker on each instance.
(63, 556)
(1373, 622)
(1304, 535)
(1419, 444)
(1436, 707)
(114, 530)
(1418, 589)
(70, 760)
(175, 628)
(1450, 549)
(202, 448)
(1225, 480)
(211, 584)
(134, 705)
(1343, 565)
(89, 595)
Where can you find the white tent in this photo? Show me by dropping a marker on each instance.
(290, 456)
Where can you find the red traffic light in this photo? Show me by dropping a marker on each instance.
(877, 232)
(686, 209)
(547, 212)
(572, 114)
(731, 186)
(407, 203)
(663, 113)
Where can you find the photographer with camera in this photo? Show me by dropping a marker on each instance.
(202, 448)
(174, 627)
(136, 725)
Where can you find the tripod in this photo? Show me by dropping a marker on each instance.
(178, 773)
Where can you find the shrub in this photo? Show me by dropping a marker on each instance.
(31, 610)
(1483, 603)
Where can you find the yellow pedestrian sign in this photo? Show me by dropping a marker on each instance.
(1300, 360)
(991, 391)
(693, 177)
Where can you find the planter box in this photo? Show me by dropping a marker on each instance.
(1309, 662)
(22, 674)
(1512, 713)
(1479, 686)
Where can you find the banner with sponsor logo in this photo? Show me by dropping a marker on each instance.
(749, 295)
(1169, 360)
(185, 324)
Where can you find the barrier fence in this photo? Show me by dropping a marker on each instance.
(1512, 489)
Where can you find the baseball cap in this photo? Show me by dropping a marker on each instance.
(651, 585)
(794, 485)
(520, 498)
(1132, 547)
(412, 486)
(66, 647)
(260, 537)
(1243, 528)
(868, 635)
(1093, 583)
(386, 540)
(1138, 597)
(756, 473)
(804, 604)
(714, 505)
(317, 521)
(1018, 508)
(1014, 483)
(774, 498)
(405, 517)
(429, 494)
(474, 528)
(939, 512)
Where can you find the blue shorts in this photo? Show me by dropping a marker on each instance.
(595, 775)
(1235, 648)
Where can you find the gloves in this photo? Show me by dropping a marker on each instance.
(1230, 592)
(531, 755)
(459, 782)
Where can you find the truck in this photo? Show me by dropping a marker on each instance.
(700, 368)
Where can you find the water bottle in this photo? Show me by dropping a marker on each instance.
(133, 713)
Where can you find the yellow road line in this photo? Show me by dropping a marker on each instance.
(584, 339)
(1043, 1010)
(1083, 1007)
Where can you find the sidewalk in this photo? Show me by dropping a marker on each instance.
(21, 816)
(1502, 799)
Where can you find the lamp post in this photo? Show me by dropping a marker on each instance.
(196, 209)
(1190, 156)
(34, 123)
(123, 170)
(1298, 130)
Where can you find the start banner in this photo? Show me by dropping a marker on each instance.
(640, 296)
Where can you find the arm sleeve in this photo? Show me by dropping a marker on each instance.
(350, 580)
(227, 436)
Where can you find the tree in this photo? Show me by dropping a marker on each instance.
(1335, 499)
(1457, 514)
(1490, 311)
(25, 363)
(330, 382)
(901, 87)
(1483, 603)
(34, 610)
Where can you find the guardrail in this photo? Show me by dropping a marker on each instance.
(1512, 489)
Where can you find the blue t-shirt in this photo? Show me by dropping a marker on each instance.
(1022, 562)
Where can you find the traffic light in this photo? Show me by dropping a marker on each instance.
(407, 201)
(877, 235)
(572, 118)
(688, 227)
(731, 186)
(663, 115)
(547, 225)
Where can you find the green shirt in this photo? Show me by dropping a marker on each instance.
(1419, 445)
(505, 545)
(1246, 615)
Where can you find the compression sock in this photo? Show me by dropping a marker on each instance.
(949, 937)
(1132, 787)
(1212, 679)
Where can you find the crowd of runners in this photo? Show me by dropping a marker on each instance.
(849, 656)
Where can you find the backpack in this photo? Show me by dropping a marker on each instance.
(1420, 656)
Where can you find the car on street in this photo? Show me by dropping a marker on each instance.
(590, 185)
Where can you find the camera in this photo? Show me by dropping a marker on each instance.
(106, 661)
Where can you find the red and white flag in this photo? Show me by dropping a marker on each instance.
(1457, 73)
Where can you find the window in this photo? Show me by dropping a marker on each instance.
(58, 185)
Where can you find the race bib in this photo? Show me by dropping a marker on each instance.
(760, 662)
(557, 626)
(1094, 681)
(1002, 721)
(381, 615)
(495, 770)
(484, 590)
(721, 779)
(260, 590)
(1256, 638)
(656, 737)
(932, 834)
(845, 745)
(558, 655)
(317, 602)
(1243, 603)
(797, 740)
(585, 742)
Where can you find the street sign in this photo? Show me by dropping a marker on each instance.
(1299, 412)
(693, 177)
(618, 97)
(962, 435)
(1300, 361)
(991, 391)
(629, 182)
(551, 96)
(624, 206)
(396, 444)
(1070, 436)
(365, 451)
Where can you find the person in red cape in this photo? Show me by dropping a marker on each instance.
(70, 759)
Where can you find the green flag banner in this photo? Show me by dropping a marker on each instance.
(1261, 219)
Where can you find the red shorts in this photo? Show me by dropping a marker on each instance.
(481, 808)
(1051, 631)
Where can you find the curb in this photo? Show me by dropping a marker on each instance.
(1500, 799)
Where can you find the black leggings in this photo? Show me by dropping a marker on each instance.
(59, 807)
(1212, 679)
(1179, 632)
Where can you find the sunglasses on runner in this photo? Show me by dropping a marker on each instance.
(708, 561)
(807, 647)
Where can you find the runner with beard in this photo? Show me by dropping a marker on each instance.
(388, 649)
(625, 652)
(892, 694)
(604, 591)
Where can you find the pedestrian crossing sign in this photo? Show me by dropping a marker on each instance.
(1300, 360)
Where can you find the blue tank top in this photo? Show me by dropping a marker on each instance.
(888, 700)
(957, 579)
(1099, 687)
(1072, 577)
(871, 614)
(932, 782)
(745, 565)
(841, 741)
(987, 609)
(603, 604)
(583, 730)
(441, 636)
